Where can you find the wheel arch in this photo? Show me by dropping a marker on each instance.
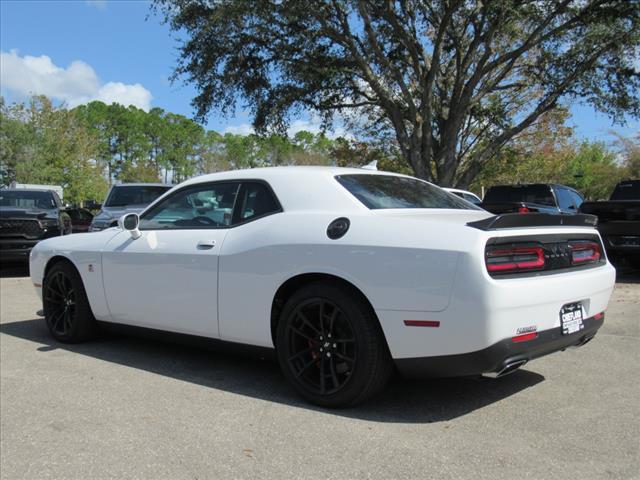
(54, 261)
(295, 283)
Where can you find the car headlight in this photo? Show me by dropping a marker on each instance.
(49, 222)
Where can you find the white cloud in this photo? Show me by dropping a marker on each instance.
(242, 129)
(99, 4)
(76, 84)
(311, 124)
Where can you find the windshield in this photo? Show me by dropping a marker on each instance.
(389, 191)
(26, 199)
(123, 195)
(627, 191)
(540, 194)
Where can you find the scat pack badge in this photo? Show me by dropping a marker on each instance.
(530, 329)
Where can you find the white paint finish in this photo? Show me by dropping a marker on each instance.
(83, 250)
(414, 264)
(163, 280)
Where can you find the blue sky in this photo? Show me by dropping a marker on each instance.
(82, 50)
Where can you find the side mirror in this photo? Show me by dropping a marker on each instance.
(130, 221)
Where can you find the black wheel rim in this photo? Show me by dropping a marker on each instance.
(60, 303)
(322, 346)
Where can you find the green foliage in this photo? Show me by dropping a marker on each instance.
(550, 154)
(48, 145)
(452, 82)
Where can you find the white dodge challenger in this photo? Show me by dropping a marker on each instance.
(347, 273)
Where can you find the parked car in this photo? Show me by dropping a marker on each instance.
(80, 219)
(28, 216)
(468, 196)
(345, 272)
(126, 198)
(619, 221)
(533, 197)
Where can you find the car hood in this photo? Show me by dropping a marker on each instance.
(35, 213)
(113, 213)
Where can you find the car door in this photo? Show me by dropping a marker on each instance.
(168, 278)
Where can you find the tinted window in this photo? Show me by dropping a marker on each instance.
(257, 201)
(203, 206)
(540, 194)
(123, 195)
(565, 201)
(387, 191)
(577, 199)
(627, 191)
(26, 199)
(471, 198)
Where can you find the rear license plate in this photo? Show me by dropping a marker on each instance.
(571, 316)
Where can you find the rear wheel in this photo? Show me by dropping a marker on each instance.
(330, 346)
(66, 307)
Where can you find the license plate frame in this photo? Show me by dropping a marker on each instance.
(572, 317)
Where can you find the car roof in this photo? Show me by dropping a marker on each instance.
(299, 187)
(143, 185)
(27, 190)
(460, 191)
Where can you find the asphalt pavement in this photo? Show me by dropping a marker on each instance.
(124, 407)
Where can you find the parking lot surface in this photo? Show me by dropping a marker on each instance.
(123, 407)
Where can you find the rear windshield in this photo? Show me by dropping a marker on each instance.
(26, 199)
(124, 195)
(540, 194)
(388, 191)
(626, 191)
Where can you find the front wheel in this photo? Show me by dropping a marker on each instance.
(66, 307)
(330, 346)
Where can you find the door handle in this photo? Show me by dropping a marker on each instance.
(206, 244)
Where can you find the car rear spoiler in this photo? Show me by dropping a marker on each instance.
(524, 220)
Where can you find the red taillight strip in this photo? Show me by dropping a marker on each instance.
(524, 337)
(422, 323)
(515, 265)
(582, 247)
(598, 316)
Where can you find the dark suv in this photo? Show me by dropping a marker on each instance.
(532, 197)
(26, 217)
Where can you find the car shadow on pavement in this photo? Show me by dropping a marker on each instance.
(406, 401)
(13, 270)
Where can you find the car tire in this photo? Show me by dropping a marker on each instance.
(66, 307)
(330, 346)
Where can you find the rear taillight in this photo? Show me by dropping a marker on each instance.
(584, 252)
(523, 210)
(515, 259)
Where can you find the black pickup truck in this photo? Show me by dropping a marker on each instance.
(26, 217)
(532, 197)
(619, 221)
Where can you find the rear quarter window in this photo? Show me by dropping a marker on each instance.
(389, 191)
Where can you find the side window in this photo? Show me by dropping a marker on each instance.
(565, 202)
(257, 200)
(201, 206)
(471, 198)
(577, 199)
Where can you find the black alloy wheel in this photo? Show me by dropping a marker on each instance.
(60, 302)
(322, 349)
(66, 307)
(330, 346)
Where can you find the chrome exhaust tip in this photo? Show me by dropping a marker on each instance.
(508, 367)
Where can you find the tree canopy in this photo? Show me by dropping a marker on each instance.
(449, 81)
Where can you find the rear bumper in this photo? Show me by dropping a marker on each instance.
(497, 356)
